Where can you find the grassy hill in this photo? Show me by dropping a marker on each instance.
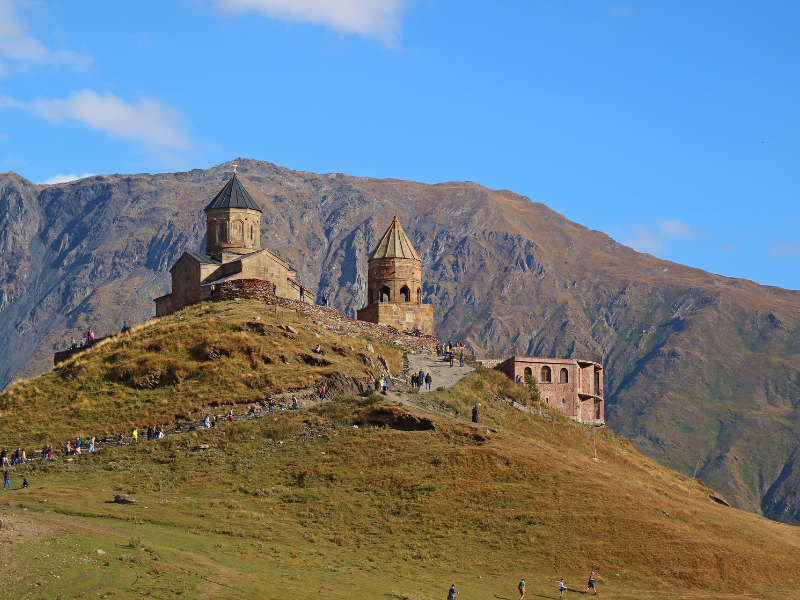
(165, 371)
(304, 503)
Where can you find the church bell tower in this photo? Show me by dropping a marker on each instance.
(233, 221)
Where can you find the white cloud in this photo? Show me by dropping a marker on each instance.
(61, 178)
(674, 229)
(19, 48)
(149, 122)
(621, 11)
(374, 18)
(653, 239)
(780, 249)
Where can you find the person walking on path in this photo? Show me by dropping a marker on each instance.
(135, 435)
(207, 422)
(452, 356)
(591, 585)
(230, 415)
(271, 405)
(294, 402)
(428, 381)
(461, 360)
(521, 589)
(323, 393)
(475, 414)
(451, 595)
(120, 439)
(562, 589)
(6, 480)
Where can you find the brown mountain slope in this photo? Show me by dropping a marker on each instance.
(699, 367)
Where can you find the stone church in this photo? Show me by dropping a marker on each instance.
(233, 251)
(394, 285)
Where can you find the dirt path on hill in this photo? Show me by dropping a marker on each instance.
(442, 373)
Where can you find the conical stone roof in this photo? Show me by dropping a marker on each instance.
(395, 244)
(233, 195)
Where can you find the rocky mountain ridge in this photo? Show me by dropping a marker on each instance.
(700, 369)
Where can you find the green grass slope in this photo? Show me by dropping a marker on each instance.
(304, 504)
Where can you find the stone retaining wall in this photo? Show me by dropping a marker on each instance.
(329, 318)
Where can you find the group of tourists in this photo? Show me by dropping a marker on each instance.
(86, 341)
(449, 352)
(155, 432)
(18, 457)
(562, 588)
(73, 448)
(7, 481)
(380, 384)
(420, 379)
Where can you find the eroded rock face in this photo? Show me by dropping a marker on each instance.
(697, 366)
(396, 418)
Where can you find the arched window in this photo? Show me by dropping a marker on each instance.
(370, 297)
(528, 373)
(223, 232)
(546, 378)
(564, 376)
(563, 401)
(252, 234)
(547, 400)
(237, 232)
(419, 296)
(385, 295)
(405, 294)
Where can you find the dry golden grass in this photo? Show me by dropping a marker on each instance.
(357, 512)
(399, 512)
(209, 354)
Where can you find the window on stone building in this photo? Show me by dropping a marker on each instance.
(597, 383)
(237, 231)
(546, 375)
(252, 234)
(385, 294)
(563, 401)
(419, 296)
(405, 294)
(564, 376)
(547, 400)
(528, 373)
(223, 232)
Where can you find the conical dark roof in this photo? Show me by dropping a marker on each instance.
(233, 195)
(394, 244)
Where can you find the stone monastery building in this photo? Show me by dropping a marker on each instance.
(233, 251)
(394, 285)
(575, 387)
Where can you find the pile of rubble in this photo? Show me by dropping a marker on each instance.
(329, 318)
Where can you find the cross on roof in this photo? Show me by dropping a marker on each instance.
(234, 167)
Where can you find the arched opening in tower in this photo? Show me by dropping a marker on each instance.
(385, 294)
(405, 294)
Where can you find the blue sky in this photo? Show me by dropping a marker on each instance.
(672, 126)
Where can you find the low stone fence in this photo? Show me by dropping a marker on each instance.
(329, 318)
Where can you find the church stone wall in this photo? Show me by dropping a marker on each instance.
(403, 316)
(233, 230)
(394, 273)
